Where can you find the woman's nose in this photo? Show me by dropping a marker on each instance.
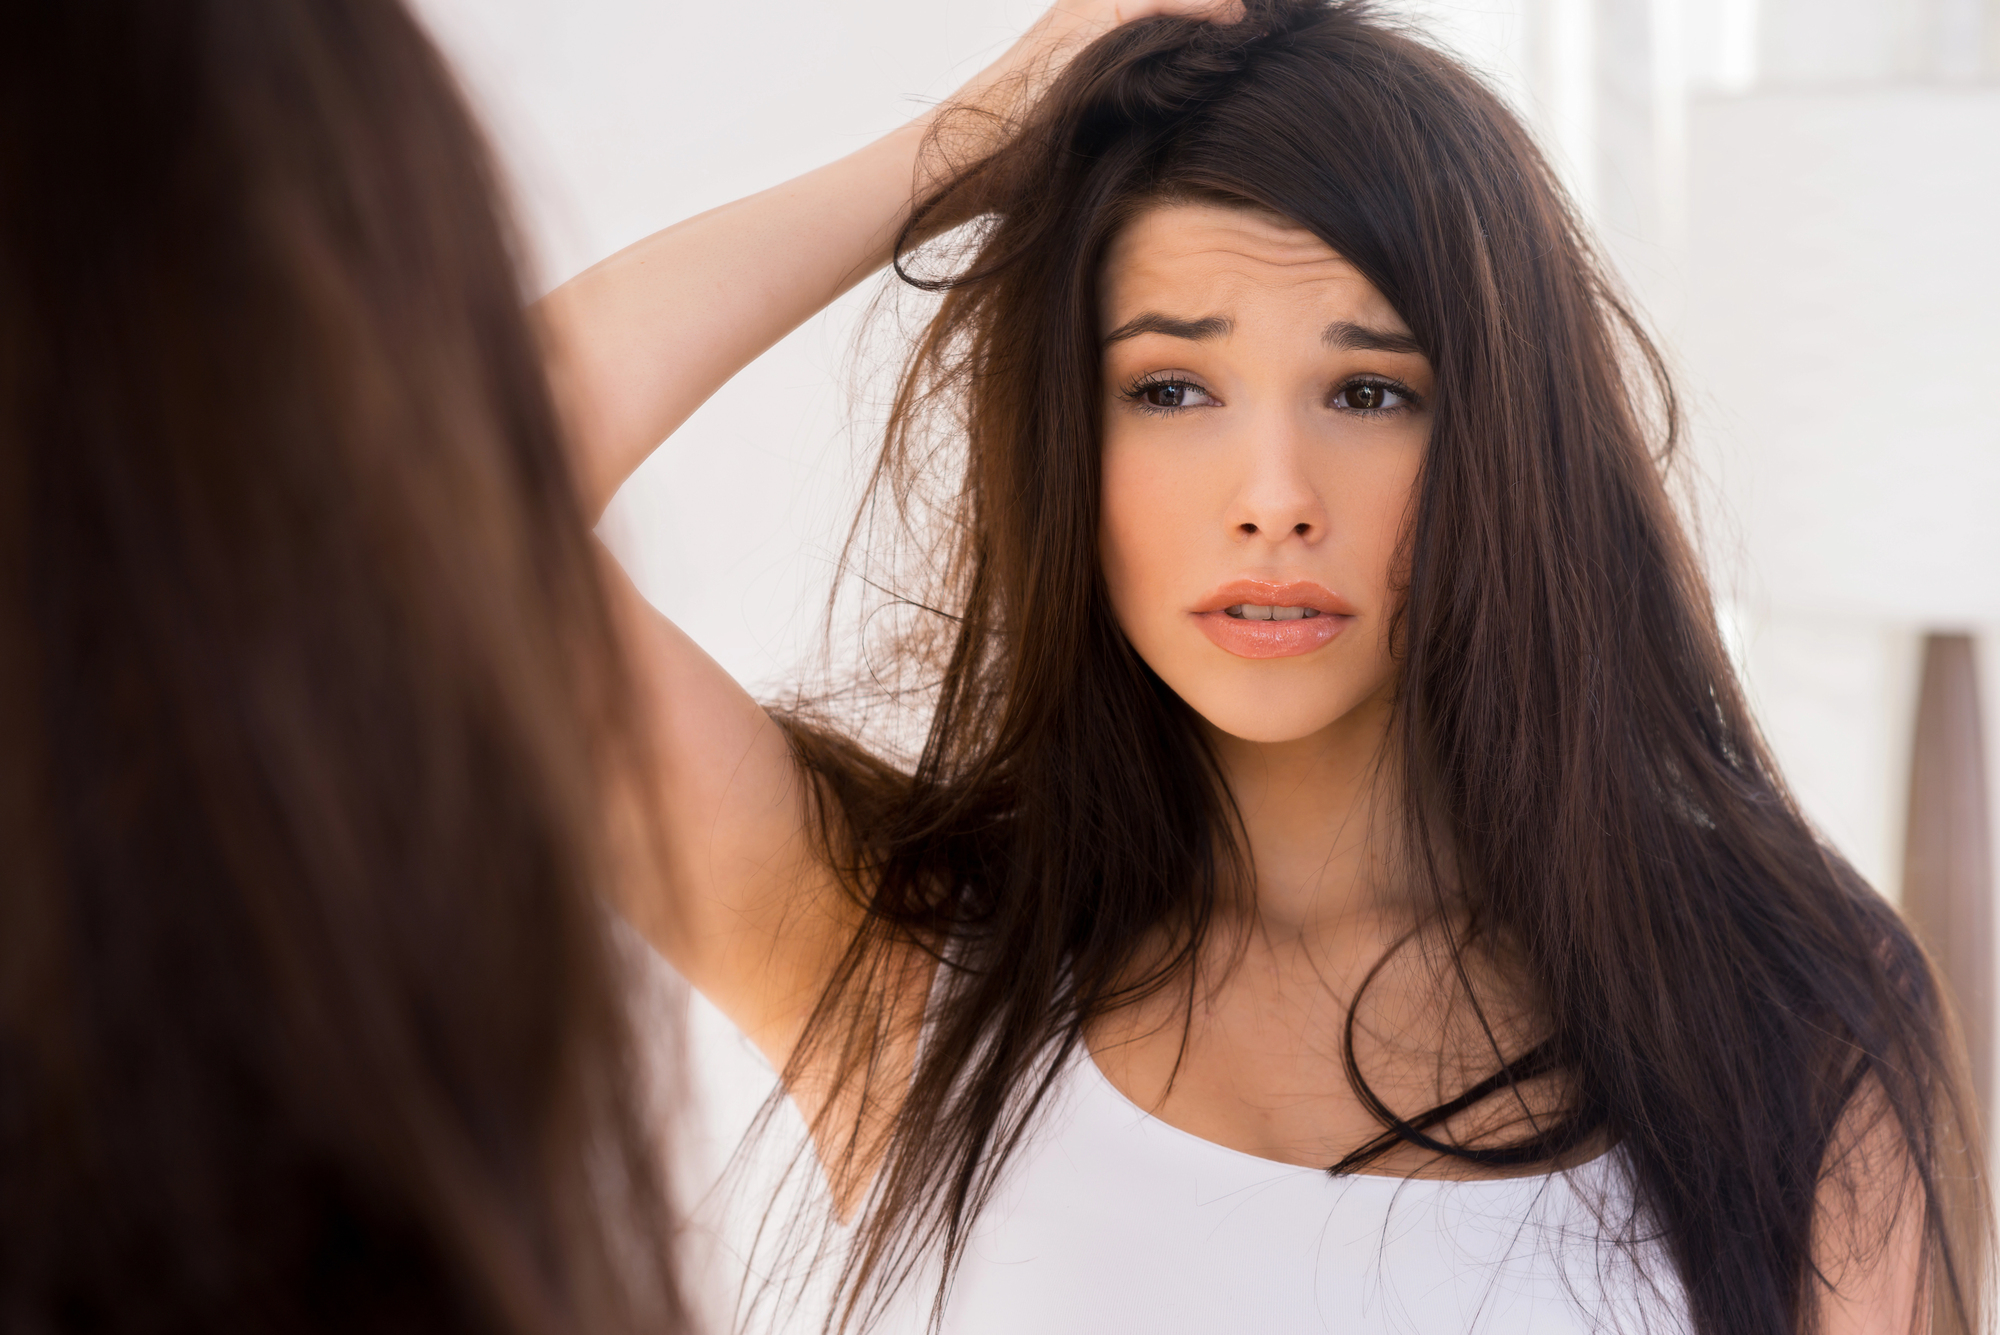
(1276, 498)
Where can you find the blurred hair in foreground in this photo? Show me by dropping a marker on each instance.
(309, 706)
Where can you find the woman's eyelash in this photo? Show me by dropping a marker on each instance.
(1138, 393)
(1135, 393)
(1410, 398)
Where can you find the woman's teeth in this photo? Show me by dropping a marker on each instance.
(1258, 612)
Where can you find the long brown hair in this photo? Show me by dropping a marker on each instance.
(309, 1020)
(1583, 789)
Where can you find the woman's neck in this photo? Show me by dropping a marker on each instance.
(1316, 815)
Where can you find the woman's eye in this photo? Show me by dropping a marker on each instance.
(1369, 396)
(1171, 394)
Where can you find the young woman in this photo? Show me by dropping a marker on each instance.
(1340, 886)
(310, 709)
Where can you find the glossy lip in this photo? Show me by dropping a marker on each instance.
(1273, 639)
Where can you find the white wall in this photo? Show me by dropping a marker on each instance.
(1845, 325)
(1844, 339)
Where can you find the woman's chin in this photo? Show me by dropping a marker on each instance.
(1271, 702)
(1268, 721)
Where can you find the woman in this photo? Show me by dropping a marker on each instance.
(1363, 899)
(311, 708)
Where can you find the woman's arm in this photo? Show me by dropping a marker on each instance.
(643, 338)
(743, 906)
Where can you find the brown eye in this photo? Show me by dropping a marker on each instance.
(1170, 394)
(1368, 396)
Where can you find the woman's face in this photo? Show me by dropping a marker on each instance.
(1265, 417)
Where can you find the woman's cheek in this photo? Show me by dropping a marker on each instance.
(1144, 534)
(1119, 542)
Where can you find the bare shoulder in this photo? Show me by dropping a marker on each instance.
(1869, 1226)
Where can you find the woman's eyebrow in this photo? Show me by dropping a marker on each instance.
(1343, 334)
(1152, 322)
(1351, 337)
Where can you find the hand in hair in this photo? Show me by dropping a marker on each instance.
(1071, 23)
(642, 339)
(746, 909)
(976, 119)
(1079, 21)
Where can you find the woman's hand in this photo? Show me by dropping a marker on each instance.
(1086, 20)
(1103, 15)
(1066, 27)
(641, 340)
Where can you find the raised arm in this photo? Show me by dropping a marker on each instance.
(643, 338)
(638, 342)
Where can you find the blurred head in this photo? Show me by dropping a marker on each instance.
(1290, 317)
(308, 708)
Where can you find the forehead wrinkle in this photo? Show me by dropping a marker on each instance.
(1241, 258)
(1264, 241)
(1204, 262)
(1219, 282)
(1184, 233)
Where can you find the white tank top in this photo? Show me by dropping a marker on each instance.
(1111, 1221)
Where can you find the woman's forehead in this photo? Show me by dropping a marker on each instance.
(1193, 260)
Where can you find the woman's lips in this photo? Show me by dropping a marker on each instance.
(1326, 615)
(1270, 639)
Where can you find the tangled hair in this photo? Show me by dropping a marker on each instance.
(1582, 788)
(310, 707)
